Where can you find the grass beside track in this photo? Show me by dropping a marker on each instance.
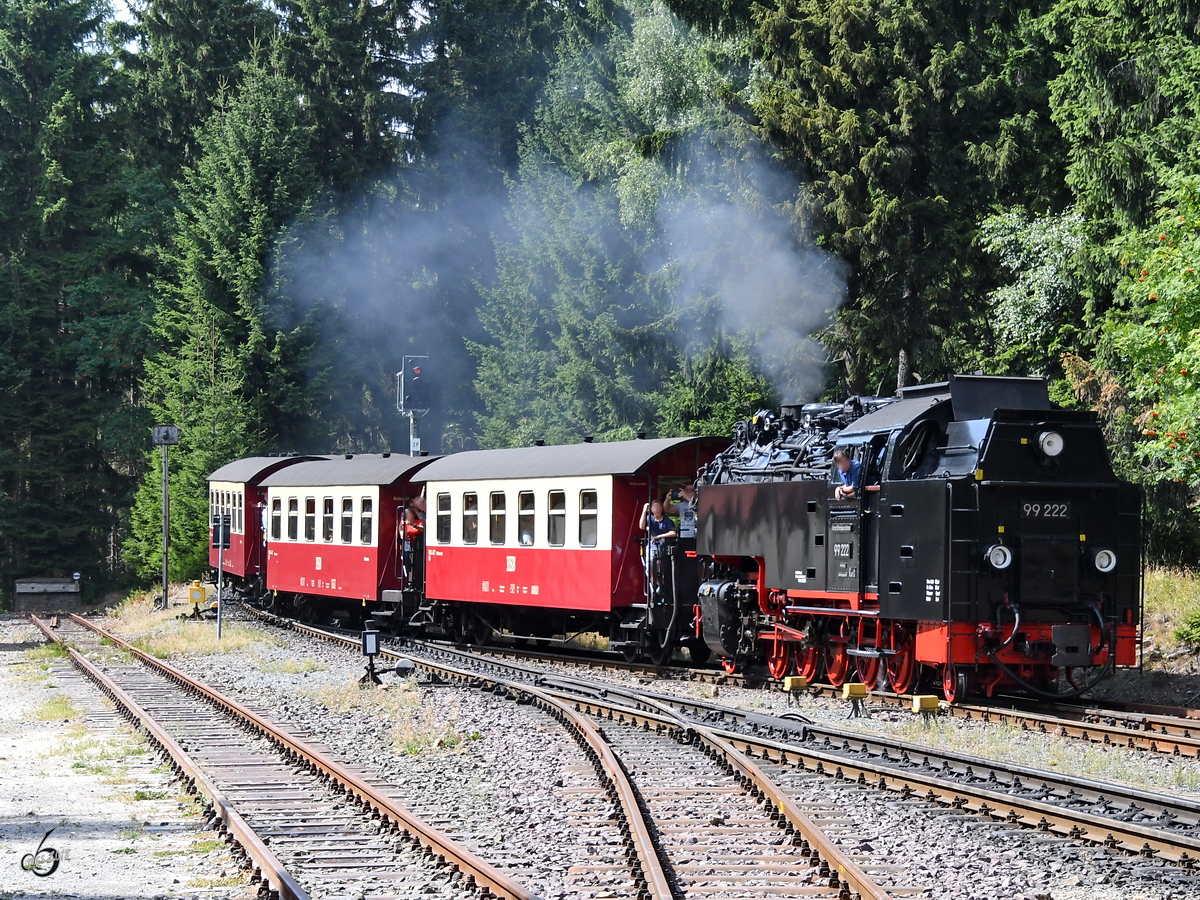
(162, 633)
(1172, 616)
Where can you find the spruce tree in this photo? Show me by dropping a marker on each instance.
(912, 121)
(180, 55)
(72, 312)
(226, 372)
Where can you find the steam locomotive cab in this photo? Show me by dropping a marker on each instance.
(989, 542)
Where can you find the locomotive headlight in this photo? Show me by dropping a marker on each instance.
(999, 556)
(1105, 561)
(1050, 443)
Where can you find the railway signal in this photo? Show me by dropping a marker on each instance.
(412, 396)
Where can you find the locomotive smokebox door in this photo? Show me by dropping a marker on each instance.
(1072, 645)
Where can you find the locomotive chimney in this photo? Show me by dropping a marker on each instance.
(587, 438)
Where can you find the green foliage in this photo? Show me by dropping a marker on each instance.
(1155, 336)
(179, 56)
(348, 59)
(639, 209)
(1038, 315)
(72, 298)
(1126, 103)
(226, 375)
(912, 120)
(709, 395)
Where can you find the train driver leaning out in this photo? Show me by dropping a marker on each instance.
(849, 472)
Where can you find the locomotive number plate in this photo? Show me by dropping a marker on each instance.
(1045, 510)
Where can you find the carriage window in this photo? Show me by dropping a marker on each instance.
(310, 518)
(443, 518)
(496, 526)
(589, 508)
(347, 520)
(364, 521)
(293, 519)
(557, 526)
(525, 518)
(238, 527)
(276, 519)
(327, 519)
(470, 518)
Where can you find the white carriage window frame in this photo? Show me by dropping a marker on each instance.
(556, 518)
(276, 518)
(470, 518)
(293, 518)
(497, 518)
(526, 519)
(347, 520)
(327, 520)
(366, 522)
(589, 517)
(444, 518)
(310, 519)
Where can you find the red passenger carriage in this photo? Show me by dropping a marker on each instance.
(332, 535)
(236, 490)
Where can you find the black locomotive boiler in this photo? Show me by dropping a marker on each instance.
(988, 541)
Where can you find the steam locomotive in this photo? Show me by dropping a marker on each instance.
(988, 542)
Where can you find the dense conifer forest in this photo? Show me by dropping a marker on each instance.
(596, 217)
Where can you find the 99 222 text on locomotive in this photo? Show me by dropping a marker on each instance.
(987, 543)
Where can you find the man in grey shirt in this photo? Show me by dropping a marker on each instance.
(684, 507)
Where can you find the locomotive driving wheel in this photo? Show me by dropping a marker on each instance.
(867, 669)
(808, 663)
(837, 660)
(779, 657)
(902, 665)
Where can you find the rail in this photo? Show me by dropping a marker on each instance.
(488, 880)
(267, 864)
(717, 745)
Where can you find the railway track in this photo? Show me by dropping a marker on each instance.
(1122, 819)
(1155, 729)
(308, 826)
(684, 779)
(719, 824)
